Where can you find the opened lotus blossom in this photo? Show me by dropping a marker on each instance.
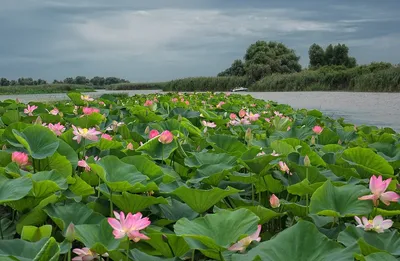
(253, 117)
(284, 167)
(29, 110)
(242, 244)
(85, 254)
(317, 129)
(209, 124)
(378, 188)
(166, 137)
(57, 128)
(54, 111)
(88, 110)
(86, 98)
(89, 134)
(84, 164)
(129, 226)
(20, 158)
(106, 136)
(378, 224)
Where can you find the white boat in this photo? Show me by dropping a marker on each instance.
(239, 89)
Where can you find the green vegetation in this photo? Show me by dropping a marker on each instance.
(194, 177)
(206, 84)
(137, 86)
(46, 88)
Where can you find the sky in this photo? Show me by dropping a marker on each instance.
(157, 40)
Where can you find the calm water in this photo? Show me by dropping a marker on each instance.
(378, 109)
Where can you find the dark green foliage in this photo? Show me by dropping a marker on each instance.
(137, 86)
(46, 88)
(333, 55)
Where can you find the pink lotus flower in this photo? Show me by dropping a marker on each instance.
(277, 113)
(274, 201)
(86, 98)
(88, 111)
(114, 126)
(106, 136)
(54, 111)
(102, 103)
(317, 129)
(153, 133)
(166, 137)
(253, 105)
(284, 167)
(85, 254)
(29, 110)
(253, 117)
(209, 124)
(242, 113)
(267, 120)
(245, 121)
(242, 244)
(84, 164)
(219, 105)
(377, 224)
(129, 146)
(129, 226)
(232, 116)
(234, 123)
(378, 188)
(20, 158)
(174, 99)
(262, 153)
(288, 128)
(187, 103)
(89, 134)
(57, 128)
(148, 103)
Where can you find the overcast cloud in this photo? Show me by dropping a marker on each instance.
(157, 40)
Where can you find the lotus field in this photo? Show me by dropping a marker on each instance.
(194, 177)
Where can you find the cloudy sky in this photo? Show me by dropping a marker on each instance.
(154, 40)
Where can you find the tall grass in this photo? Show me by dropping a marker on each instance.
(136, 86)
(46, 88)
(206, 84)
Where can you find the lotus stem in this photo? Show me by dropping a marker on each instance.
(221, 257)
(69, 255)
(1, 231)
(307, 193)
(194, 250)
(111, 204)
(127, 251)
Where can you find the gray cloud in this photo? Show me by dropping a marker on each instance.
(160, 40)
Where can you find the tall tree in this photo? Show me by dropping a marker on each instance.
(236, 69)
(316, 55)
(329, 55)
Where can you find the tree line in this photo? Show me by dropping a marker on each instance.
(81, 80)
(266, 58)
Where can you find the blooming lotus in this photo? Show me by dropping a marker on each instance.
(274, 201)
(242, 244)
(29, 110)
(89, 134)
(84, 164)
(114, 125)
(85, 254)
(54, 111)
(277, 113)
(209, 124)
(245, 121)
(129, 226)
(253, 117)
(20, 158)
(88, 111)
(242, 113)
(106, 136)
(378, 188)
(153, 133)
(267, 119)
(166, 137)
(86, 98)
(219, 105)
(378, 224)
(317, 129)
(284, 167)
(148, 103)
(57, 128)
(174, 99)
(232, 116)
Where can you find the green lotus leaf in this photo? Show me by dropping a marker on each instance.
(227, 144)
(176, 245)
(133, 203)
(294, 244)
(214, 231)
(156, 150)
(47, 182)
(33, 234)
(368, 161)
(46, 249)
(38, 140)
(138, 255)
(87, 121)
(14, 189)
(329, 200)
(201, 200)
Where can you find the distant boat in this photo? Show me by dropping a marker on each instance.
(239, 89)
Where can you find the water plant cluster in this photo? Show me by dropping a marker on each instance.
(194, 177)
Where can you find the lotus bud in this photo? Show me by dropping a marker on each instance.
(4, 147)
(61, 114)
(129, 146)
(313, 140)
(70, 233)
(274, 201)
(147, 130)
(307, 161)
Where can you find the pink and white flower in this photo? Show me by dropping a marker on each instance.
(209, 124)
(166, 137)
(378, 224)
(20, 158)
(317, 129)
(106, 136)
(284, 167)
(242, 244)
(89, 134)
(84, 164)
(274, 201)
(129, 226)
(29, 110)
(57, 128)
(86, 98)
(85, 254)
(378, 188)
(88, 110)
(54, 111)
(153, 133)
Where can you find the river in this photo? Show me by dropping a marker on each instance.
(378, 109)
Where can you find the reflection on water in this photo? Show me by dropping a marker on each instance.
(378, 109)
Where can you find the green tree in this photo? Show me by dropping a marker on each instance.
(316, 55)
(69, 80)
(329, 55)
(81, 80)
(4, 82)
(97, 81)
(236, 69)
